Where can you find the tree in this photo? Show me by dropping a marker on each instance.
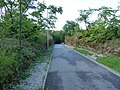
(70, 27)
(57, 37)
(111, 21)
(84, 16)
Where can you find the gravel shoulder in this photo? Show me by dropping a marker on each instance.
(37, 74)
(35, 80)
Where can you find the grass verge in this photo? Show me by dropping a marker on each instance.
(110, 61)
(82, 51)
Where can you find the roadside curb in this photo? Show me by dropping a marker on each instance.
(98, 63)
(48, 66)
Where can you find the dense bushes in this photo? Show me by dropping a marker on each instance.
(17, 22)
(57, 37)
(12, 61)
(99, 33)
(8, 61)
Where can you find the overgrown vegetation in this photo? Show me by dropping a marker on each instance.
(23, 36)
(101, 34)
(57, 37)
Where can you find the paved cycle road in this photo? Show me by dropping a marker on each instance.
(72, 71)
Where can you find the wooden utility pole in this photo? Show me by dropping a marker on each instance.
(47, 34)
(20, 32)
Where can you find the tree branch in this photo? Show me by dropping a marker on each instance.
(7, 8)
(26, 7)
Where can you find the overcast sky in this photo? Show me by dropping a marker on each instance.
(71, 7)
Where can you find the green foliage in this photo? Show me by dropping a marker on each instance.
(14, 59)
(38, 40)
(57, 37)
(115, 41)
(24, 74)
(19, 88)
(70, 27)
(84, 16)
(105, 28)
(111, 61)
(8, 60)
(42, 21)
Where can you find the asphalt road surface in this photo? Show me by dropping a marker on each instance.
(72, 71)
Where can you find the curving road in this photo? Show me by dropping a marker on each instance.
(72, 71)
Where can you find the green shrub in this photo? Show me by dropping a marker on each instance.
(115, 41)
(13, 61)
(8, 64)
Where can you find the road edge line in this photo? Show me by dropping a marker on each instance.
(48, 66)
(98, 63)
